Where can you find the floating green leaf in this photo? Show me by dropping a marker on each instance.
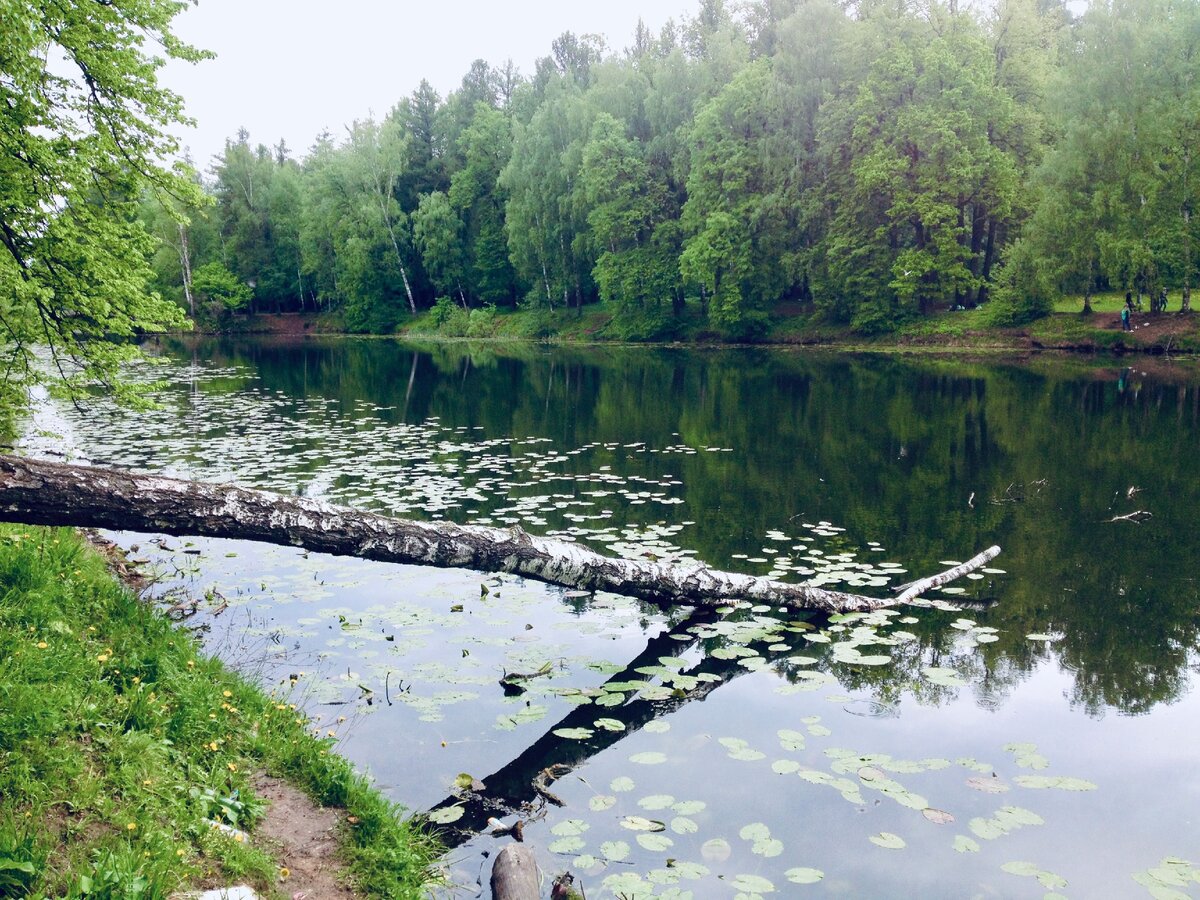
(791, 740)
(684, 825)
(888, 841)
(446, 814)
(621, 784)
(655, 843)
(656, 801)
(566, 845)
(574, 734)
(804, 875)
(755, 831)
(964, 844)
(1059, 782)
(944, 677)
(752, 884)
(616, 851)
(937, 816)
(569, 827)
(641, 823)
(601, 802)
(649, 758)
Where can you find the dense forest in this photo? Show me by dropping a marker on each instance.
(863, 162)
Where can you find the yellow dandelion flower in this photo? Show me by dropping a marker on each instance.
(137, 680)
(232, 767)
(284, 872)
(42, 645)
(179, 852)
(132, 826)
(281, 706)
(226, 693)
(148, 781)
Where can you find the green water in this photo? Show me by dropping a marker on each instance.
(759, 747)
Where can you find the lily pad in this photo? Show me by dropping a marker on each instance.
(641, 823)
(656, 843)
(1059, 782)
(752, 884)
(684, 825)
(447, 814)
(574, 734)
(649, 758)
(615, 851)
(964, 844)
(803, 875)
(656, 801)
(566, 845)
(937, 816)
(888, 841)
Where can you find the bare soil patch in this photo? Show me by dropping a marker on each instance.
(304, 839)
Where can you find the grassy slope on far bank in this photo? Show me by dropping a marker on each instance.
(964, 331)
(120, 744)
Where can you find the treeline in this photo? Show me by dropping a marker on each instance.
(866, 162)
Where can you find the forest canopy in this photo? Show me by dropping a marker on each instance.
(84, 132)
(862, 163)
(865, 163)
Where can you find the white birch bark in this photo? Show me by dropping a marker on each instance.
(37, 492)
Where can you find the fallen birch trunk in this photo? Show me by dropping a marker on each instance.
(36, 492)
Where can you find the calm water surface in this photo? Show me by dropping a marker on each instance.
(1039, 740)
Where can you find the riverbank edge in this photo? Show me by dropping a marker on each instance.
(128, 758)
(1098, 333)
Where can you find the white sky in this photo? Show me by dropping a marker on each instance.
(290, 68)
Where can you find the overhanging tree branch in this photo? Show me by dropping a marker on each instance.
(37, 492)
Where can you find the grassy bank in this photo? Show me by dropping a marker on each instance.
(121, 744)
(969, 330)
(1066, 329)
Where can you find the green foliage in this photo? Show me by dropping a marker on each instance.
(111, 712)
(215, 283)
(83, 127)
(875, 161)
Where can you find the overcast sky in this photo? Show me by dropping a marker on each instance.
(290, 68)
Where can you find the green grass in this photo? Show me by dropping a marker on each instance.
(121, 744)
(1108, 302)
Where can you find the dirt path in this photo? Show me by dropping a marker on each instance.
(303, 837)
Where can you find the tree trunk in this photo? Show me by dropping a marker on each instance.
(515, 874)
(37, 492)
(185, 263)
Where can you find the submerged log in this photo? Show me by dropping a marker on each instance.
(515, 874)
(36, 492)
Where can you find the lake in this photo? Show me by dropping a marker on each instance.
(1027, 732)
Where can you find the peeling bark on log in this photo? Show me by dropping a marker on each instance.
(514, 874)
(36, 492)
